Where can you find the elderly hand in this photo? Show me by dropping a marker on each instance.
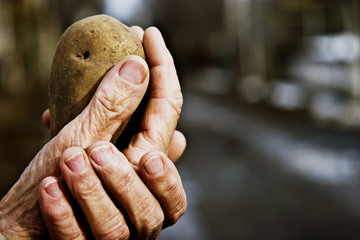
(143, 188)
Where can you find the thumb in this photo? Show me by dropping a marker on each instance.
(116, 98)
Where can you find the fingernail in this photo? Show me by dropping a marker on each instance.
(154, 166)
(101, 155)
(76, 162)
(133, 71)
(52, 188)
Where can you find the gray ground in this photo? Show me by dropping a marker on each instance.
(251, 173)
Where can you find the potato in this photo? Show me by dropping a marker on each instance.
(86, 51)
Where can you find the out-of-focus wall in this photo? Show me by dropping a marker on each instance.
(28, 35)
(300, 56)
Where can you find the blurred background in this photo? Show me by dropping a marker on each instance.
(271, 107)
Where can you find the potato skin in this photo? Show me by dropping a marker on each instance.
(86, 51)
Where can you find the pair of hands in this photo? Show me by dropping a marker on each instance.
(108, 194)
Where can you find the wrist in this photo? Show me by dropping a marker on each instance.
(20, 217)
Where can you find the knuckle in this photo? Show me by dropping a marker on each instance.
(119, 230)
(110, 102)
(176, 198)
(60, 216)
(62, 220)
(124, 177)
(176, 102)
(151, 136)
(152, 222)
(171, 185)
(86, 190)
(177, 212)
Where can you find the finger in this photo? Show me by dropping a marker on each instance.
(57, 211)
(139, 31)
(164, 106)
(104, 218)
(162, 178)
(46, 118)
(127, 188)
(116, 98)
(177, 146)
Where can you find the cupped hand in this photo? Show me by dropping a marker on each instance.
(115, 100)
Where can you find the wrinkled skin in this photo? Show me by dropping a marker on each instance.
(143, 188)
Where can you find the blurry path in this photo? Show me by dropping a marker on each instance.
(254, 174)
